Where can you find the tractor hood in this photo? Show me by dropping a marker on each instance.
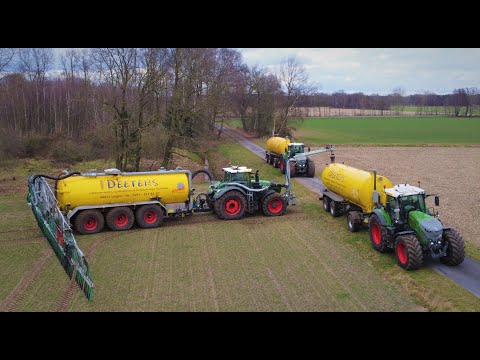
(428, 228)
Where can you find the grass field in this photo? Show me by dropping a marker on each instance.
(390, 131)
(303, 261)
(440, 110)
(383, 131)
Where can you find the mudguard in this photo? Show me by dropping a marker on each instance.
(220, 193)
(385, 219)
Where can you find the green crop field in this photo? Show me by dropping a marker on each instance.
(302, 261)
(389, 130)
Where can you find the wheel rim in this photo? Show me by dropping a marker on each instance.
(121, 219)
(232, 207)
(350, 225)
(275, 206)
(90, 223)
(150, 216)
(325, 205)
(376, 234)
(402, 252)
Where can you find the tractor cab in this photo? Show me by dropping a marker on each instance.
(238, 174)
(295, 148)
(404, 198)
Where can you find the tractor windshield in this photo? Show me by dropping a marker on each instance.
(237, 177)
(411, 202)
(296, 149)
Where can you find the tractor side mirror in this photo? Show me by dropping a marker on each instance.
(437, 201)
(396, 214)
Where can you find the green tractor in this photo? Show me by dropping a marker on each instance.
(240, 191)
(406, 225)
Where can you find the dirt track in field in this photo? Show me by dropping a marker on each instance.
(451, 172)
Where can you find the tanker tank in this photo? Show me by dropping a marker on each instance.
(355, 185)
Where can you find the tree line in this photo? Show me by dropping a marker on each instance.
(130, 102)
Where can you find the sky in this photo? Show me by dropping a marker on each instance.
(416, 70)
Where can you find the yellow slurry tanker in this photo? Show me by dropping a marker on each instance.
(397, 216)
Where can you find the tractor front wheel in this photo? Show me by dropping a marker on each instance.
(231, 206)
(409, 252)
(274, 205)
(310, 168)
(377, 234)
(455, 249)
(89, 222)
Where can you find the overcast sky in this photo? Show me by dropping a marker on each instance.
(379, 70)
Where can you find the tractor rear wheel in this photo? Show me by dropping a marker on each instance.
(455, 249)
(326, 203)
(149, 216)
(378, 234)
(310, 168)
(334, 208)
(120, 218)
(231, 206)
(353, 224)
(409, 252)
(274, 205)
(282, 166)
(89, 222)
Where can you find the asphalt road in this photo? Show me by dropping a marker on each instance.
(467, 274)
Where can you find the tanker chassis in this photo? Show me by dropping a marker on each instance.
(396, 216)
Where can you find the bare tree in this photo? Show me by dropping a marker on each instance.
(6, 56)
(293, 78)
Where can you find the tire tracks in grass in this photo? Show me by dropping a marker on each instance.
(69, 291)
(211, 281)
(14, 298)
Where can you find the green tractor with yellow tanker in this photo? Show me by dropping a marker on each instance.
(281, 151)
(397, 216)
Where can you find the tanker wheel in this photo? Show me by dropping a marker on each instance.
(455, 249)
(409, 252)
(89, 222)
(120, 218)
(231, 206)
(274, 205)
(271, 161)
(277, 163)
(326, 203)
(149, 216)
(353, 225)
(267, 157)
(282, 166)
(310, 168)
(378, 234)
(334, 208)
